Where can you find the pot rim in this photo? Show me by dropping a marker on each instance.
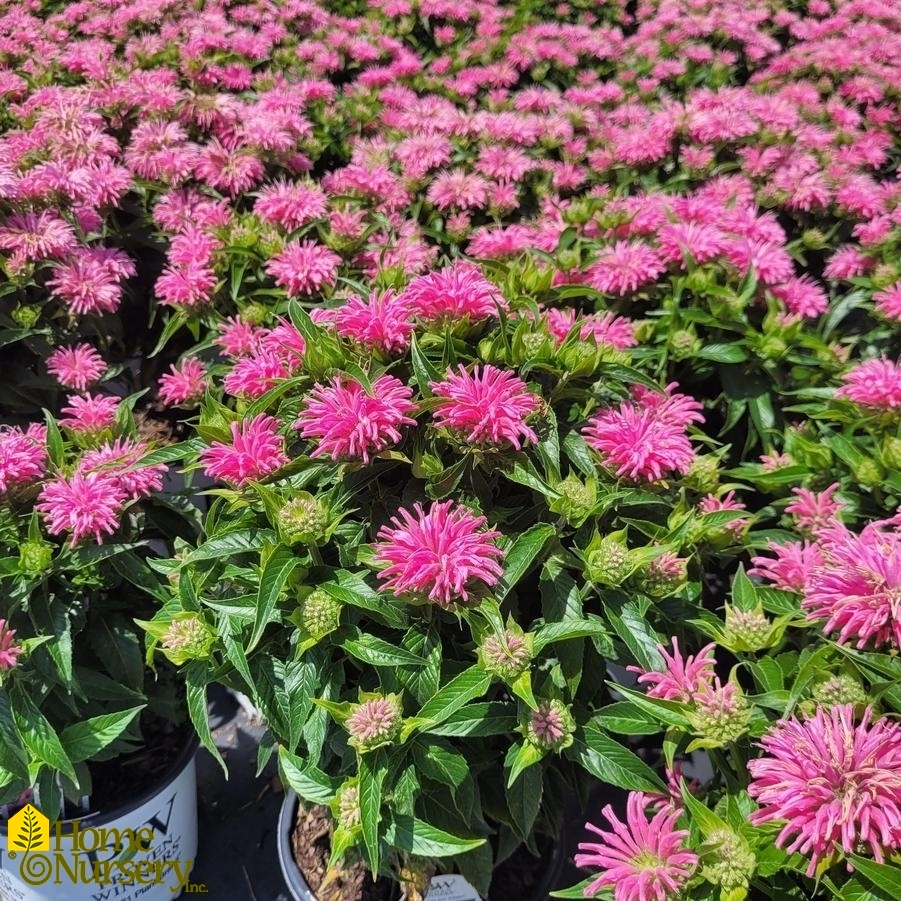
(100, 817)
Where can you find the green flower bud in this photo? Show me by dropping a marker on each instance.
(26, 317)
(814, 239)
(839, 689)
(254, 313)
(569, 259)
(747, 630)
(188, 637)
(868, 473)
(610, 563)
(304, 520)
(704, 474)
(551, 726)
(891, 453)
(773, 347)
(348, 814)
(35, 557)
(320, 613)
(664, 574)
(684, 344)
(721, 716)
(535, 344)
(507, 656)
(728, 860)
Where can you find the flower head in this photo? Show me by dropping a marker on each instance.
(832, 783)
(439, 554)
(488, 406)
(88, 503)
(9, 650)
(811, 510)
(90, 414)
(506, 656)
(551, 726)
(374, 723)
(873, 383)
(381, 323)
(23, 455)
(642, 860)
(457, 292)
(185, 384)
(353, 424)
(683, 678)
(121, 461)
(256, 451)
(304, 267)
(76, 367)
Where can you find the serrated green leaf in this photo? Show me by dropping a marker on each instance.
(417, 837)
(371, 771)
(83, 740)
(607, 759)
(466, 687)
(272, 579)
(884, 876)
(310, 783)
(522, 555)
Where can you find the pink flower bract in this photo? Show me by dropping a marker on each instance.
(439, 554)
(86, 504)
(76, 367)
(486, 407)
(642, 860)
(9, 650)
(352, 424)
(456, 292)
(833, 782)
(256, 451)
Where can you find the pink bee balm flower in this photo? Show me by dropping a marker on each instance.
(457, 292)
(352, 424)
(256, 451)
(381, 323)
(684, 677)
(76, 367)
(811, 510)
(713, 504)
(643, 860)
(89, 503)
(646, 440)
(121, 460)
(438, 554)
(873, 383)
(487, 407)
(624, 267)
(23, 455)
(374, 722)
(832, 783)
(304, 267)
(791, 568)
(184, 384)
(857, 587)
(236, 337)
(91, 413)
(9, 650)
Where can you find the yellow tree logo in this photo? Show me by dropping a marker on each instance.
(28, 830)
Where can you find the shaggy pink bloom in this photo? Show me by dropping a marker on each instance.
(457, 292)
(352, 424)
(36, 236)
(237, 338)
(185, 384)
(488, 407)
(256, 451)
(857, 588)
(304, 267)
(381, 323)
(23, 455)
(684, 677)
(91, 413)
(253, 376)
(614, 331)
(624, 267)
(713, 504)
(847, 262)
(802, 297)
(833, 784)
(90, 280)
(792, 567)
(888, 301)
(700, 241)
(873, 383)
(88, 503)
(121, 460)
(812, 510)
(646, 440)
(641, 859)
(458, 189)
(439, 554)
(290, 205)
(9, 650)
(76, 367)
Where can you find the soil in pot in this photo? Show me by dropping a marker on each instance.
(311, 844)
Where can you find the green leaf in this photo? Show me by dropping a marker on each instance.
(372, 771)
(884, 876)
(83, 740)
(611, 762)
(568, 629)
(310, 783)
(55, 447)
(577, 891)
(116, 643)
(524, 800)
(423, 371)
(522, 556)
(477, 720)
(723, 353)
(197, 677)
(625, 718)
(417, 837)
(441, 763)
(744, 595)
(272, 579)
(466, 687)
(36, 733)
(520, 758)
(231, 544)
(631, 626)
(376, 652)
(707, 820)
